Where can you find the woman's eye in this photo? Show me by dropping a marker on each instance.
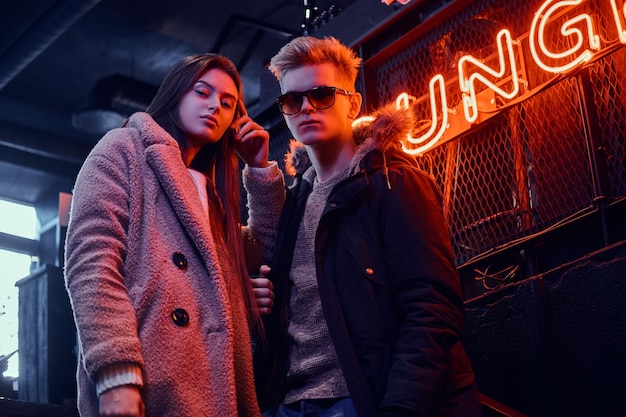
(227, 104)
(202, 93)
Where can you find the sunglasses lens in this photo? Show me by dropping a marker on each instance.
(290, 103)
(322, 97)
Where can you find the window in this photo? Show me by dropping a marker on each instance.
(18, 220)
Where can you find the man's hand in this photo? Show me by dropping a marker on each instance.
(263, 291)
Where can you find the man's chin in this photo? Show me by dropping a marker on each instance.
(309, 139)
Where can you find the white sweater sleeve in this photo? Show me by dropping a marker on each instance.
(118, 375)
(266, 195)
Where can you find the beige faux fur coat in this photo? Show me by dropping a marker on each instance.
(147, 284)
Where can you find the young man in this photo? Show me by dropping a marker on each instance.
(368, 307)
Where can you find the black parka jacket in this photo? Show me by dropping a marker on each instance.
(390, 292)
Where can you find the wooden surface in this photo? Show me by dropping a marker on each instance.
(47, 339)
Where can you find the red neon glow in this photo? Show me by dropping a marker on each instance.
(576, 52)
(437, 127)
(620, 20)
(580, 34)
(467, 82)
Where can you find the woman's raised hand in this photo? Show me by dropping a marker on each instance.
(251, 141)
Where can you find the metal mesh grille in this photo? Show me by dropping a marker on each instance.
(537, 161)
(609, 88)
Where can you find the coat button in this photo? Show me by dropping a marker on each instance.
(180, 317)
(369, 271)
(179, 260)
(333, 205)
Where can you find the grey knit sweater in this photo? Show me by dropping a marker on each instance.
(314, 370)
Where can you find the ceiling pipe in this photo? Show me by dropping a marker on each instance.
(236, 18)
(111, 100)
(40, 35)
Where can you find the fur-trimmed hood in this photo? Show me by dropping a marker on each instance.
(386, 129)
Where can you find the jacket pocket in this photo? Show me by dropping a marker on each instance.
(366, 255)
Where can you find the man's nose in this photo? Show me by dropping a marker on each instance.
(306, 106)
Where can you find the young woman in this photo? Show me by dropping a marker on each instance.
(154, 252)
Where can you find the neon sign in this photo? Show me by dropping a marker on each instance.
(537, 37)
(467, 82)
(432, 136)
(505, 78)
(620, 18)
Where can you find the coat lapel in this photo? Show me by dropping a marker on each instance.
(164, 158)
(179, 188)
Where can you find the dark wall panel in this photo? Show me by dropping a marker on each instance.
(555, 345)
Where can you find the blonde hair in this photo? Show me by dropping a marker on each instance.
(308, 50)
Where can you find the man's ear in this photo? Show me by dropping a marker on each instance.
(355, 105)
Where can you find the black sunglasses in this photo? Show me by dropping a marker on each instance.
(321, 98)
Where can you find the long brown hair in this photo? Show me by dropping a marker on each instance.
(218, 161)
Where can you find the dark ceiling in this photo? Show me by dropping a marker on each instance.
(53, 54)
